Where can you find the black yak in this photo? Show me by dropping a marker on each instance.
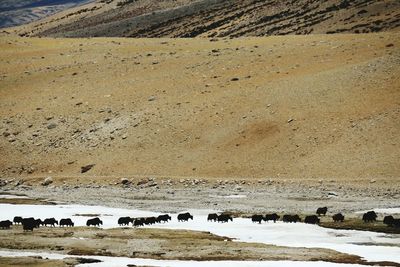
(28, 224)
(17, 220)
(257, 218)
(163, 218)
(212, 217)
(338, 217)
(291, 218)
(5, 224)
(95, 222)
(369, 216)
(184, 217)
(66, 222)
(224, 218)
(312, 219)
(50, 221)
(125, 221)
(322, 211)
(271, 217)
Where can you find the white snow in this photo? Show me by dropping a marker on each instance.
(369, 245)
(123, 261)
(8, 196)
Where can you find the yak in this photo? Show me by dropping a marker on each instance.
(257, 218)
(50, 221)
(28, 224)
(184, 217)
(5, 224)
(291, 218)
(271, 217)
(322, 211)
(224, 218)
(67, 222)
(338, 217)
(163, 218)
(17, 220)
(312, 219)
(212, 217)
(369, 216)
(95, 222)
(125, 221)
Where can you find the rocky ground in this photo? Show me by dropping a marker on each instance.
(238, 196)
(321, 107)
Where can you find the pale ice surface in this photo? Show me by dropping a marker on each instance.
(369, 245)
(8, 196)
(123, 261)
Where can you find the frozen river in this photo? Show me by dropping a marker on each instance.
(369, 245)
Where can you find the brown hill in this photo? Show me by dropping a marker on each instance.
(293, 106)
(218, 18)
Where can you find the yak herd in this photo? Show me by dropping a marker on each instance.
(28, 224)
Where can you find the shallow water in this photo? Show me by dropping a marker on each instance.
(380, 246)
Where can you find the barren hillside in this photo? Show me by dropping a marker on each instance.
(217, 18)
(295, 106)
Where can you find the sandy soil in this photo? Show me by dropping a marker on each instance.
(313, 107)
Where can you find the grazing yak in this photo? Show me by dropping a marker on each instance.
(369, 216)
(5, 224)
(322, 211)
(50, 221)
(138, 222)
(163, 218)
(66, 222)
(184, 217)
(257, 218)
(124, 221)
(312, 219)
(291, 218)
(212, 217)
(272, 217)
(224, 218)
(338, 217)
(17, 220)
(95, 222)
(28, 224)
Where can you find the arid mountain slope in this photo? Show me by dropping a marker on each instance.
(218, 18)
(292, 106)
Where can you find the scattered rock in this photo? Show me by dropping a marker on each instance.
(125, 181)
(47, 181)
(332, 194)
(235, 79)
(151, 98)
(372, 181)
(52, 126)
(390, 45)
(290, 120)
(87, 168)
